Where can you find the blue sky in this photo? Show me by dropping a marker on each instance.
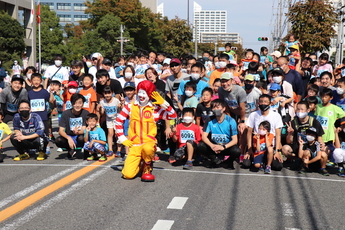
(250, 18)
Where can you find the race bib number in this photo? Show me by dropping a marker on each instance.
(1, 133)
(232, 104)
(68, 105)
(75, 122)
(343, 72)
(256, 77)
(59, 105)
(186, 135)
(245, 65)
(319, 72)
(110, 110)
(323, 121)
(12, 108)
(262, 146)
(57, 76)
(37, 105)
(87, 101)
(94, 136)
(220, 139)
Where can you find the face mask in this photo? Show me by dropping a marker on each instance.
(58, 62)
(248, 86)
(128, 75)
(24, 113)
(72, 90)
(302, 115)
(188, 120)
(217, 112)
(130, 63)
(184, 70)
(195, 76)
(262, 132)
(216, 64)
(340, 91)
(145, 98)
(88, 64)
(222, 64)
(189, 93)
(263, 108)
(277, 79)
(310, 138)
(205, 58)
(28, 76)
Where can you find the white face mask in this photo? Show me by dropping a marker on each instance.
(58, 62)
(143, 97)
(28, 76)
(222, 64)
(340, 91)
(128, 75)
(310, 138)
(216, 64)
(277, 79)
(72, 90)
(195, 76)
(302, 115)
(189, 93)
(262, 132)
(130, 63)
(88, 64)
(188, 120)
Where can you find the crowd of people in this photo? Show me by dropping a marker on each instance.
(262, 110)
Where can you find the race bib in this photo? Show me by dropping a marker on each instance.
(323, 121)
(94, 136)
(343, 72)
(220, 138)
(57, 76)
(87, 101)
(59, 105)
(186, 135)
(110, 110)
(68, 105)
(262, 146)
(245, 65)
(232, 104)
(342, 145)
(12, 108)
(1, 133)
(319, 72)
(75, 122)
(342, 106)
(37, 105)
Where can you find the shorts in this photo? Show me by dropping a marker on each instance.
(259, 159)
(110, 124)
(312, 154)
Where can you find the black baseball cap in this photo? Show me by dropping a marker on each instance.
(17, 77)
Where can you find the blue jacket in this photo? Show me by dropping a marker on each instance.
(31, 126)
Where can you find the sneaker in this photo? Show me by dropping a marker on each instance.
(217, 161)
(156, 158)
(59, 150)
(90, 158)
(171, 160)
(268, 169)
(341, 171)
(48, 150)
(341, 174)
(2, 157)
(52, 138)
(330, 164)
(118, 154)
(41, 156)
(20, 157)
(70, 154)
(188, 165)
(102, 158)
(324, 172)
(261, 169)
(109, 153)
(124, 158)
(303, 170)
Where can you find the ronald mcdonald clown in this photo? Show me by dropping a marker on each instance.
(143, 115)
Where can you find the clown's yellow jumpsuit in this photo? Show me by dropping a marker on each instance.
(142, 132)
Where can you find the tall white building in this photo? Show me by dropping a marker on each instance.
(209, 21)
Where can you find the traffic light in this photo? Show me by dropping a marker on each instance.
(263, 39)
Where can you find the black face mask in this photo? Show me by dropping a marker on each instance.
(24, 113)
(263, 108)
(248, 86)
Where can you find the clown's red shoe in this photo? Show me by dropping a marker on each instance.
(146, 175)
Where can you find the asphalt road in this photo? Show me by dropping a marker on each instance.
(63, 194)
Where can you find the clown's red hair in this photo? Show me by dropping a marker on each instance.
(148, 86)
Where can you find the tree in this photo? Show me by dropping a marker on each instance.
(312, 22)
(12, 36)
(51, 35)
(177, 36)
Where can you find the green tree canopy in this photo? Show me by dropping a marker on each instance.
(12, 35)
(312, 22)
(51, 35)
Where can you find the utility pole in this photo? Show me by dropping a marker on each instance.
(196, 39)
(121, 38)
(339, 53)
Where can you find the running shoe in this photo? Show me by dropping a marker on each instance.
(156, 158)
(171, 159)
(341, 172)
(268, 170)
(20, 157)
(59, 150)
(303, 170)
(330, 164)
(118, 154)
(102, 158)
(188, 165)
(323, 172)
(109, 153)
(41, 156)
(90, 158)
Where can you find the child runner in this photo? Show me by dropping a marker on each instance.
(4, 129)
(203, 110)
(89, 93)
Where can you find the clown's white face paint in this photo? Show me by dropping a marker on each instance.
(143, 97)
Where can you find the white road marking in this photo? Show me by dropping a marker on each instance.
(177, 202)
(288, 209)
(27, 216)
(163, 225)
(37, 185)
(292, 228)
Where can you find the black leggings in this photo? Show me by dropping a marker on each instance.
(233, 152)
(62, 142)
(23, 146)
